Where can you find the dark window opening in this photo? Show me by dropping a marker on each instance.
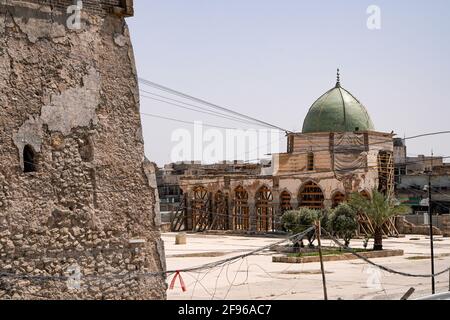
(29, 159)
(86, 150)
(290, 144)
(310, 162)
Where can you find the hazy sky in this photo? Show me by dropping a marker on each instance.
(272, 59)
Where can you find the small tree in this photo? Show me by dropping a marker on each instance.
(380, 208)
(343, 222)
(297, 221)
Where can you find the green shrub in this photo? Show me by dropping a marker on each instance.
(297, 221)
(343, 222)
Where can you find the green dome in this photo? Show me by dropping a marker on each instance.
(337, 111)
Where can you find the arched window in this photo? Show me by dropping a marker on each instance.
(201, 215)
(265, 220)
(241, 218)
(310, 162)
(285, 201)
(29, 159)
(311, 196)
(220, 221)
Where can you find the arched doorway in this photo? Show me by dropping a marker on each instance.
(241, 219)
(285, 202)
(311, 196)
(338, 198)
(220, 221)
(265, 219)
(201, 215)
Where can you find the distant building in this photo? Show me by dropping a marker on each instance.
(405, 165)
(411, 176)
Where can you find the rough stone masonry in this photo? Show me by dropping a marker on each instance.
(79, 215)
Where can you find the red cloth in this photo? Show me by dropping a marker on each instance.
(183, 285)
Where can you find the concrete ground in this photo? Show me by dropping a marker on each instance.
(258, 278)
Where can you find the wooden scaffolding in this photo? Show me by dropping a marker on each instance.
(366, 228)
(197, 215)
(385, 185)
(200, 217)
(386, 173)
(220, 215)
(178, 216)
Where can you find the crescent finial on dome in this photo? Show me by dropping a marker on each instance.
(338, 80)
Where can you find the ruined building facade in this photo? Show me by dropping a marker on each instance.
(79, 213)
(338, 152)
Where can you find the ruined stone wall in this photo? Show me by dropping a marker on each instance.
(102, 7)
(92, 204)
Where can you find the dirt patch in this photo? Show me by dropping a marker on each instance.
(417, 258)
(340, 257)
(326, 252)
(199, 255)
(428, 257)
(307, 272)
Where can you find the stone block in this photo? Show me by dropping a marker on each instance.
(181, 239)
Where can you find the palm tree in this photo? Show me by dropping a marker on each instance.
(379, 209)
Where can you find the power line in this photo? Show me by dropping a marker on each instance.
(427, 135)
(188, 108)
(212, 105)
(221, 115)
(215, 106)
(191, 109)
(183, 121)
